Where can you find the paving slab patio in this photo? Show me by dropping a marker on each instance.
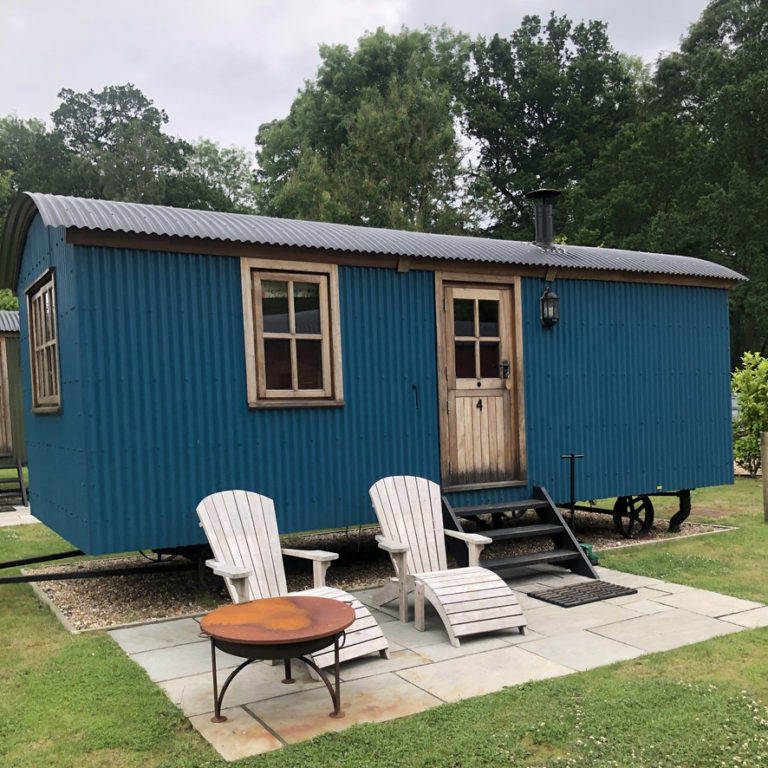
(424, 670)
(16, 514)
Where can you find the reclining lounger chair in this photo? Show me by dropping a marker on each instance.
(468, 600)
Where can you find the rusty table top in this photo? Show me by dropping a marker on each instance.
(278, 620)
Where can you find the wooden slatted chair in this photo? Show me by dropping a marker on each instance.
(468, 600)
(241, 527)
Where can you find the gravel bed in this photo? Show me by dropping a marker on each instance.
(104, 602)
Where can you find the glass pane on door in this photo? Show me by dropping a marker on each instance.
(465, 360)
(463, 317)
(489, 360)
(488, 314)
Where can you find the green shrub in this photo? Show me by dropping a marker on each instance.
(750, 385)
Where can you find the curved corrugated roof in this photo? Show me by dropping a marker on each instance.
(9, 321)
(139, 218)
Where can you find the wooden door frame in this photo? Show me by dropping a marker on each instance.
(517, 409)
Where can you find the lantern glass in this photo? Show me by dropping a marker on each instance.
(549, 308)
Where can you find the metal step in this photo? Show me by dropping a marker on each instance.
(522, 531)
(533, 558)
(506, 506)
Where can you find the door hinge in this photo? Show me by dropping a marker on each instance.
(445, 304)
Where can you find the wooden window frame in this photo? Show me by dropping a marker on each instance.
(252, 272)
(44, 350)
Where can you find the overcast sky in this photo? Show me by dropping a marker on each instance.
(220, 69)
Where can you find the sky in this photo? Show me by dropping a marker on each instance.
(220, 69)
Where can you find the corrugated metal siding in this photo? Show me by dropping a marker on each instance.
(55, 442)
(636, 378)
(160, 220)
(167, 421)
(154, 400)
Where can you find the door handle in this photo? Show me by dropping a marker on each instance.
(504, 369)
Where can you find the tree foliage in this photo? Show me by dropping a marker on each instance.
(690, 175)
(371, 140)
(430, 131)
(120, 151)
(111, 144)
(7, 300)
(750, 385)
(214, 178)
(542, 105)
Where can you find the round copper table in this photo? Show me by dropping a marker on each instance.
(278, 628)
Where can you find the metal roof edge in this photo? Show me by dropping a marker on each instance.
(9, 321)
(20, 215)
(164, 221)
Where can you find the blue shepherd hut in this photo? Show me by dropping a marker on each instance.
(168, 354)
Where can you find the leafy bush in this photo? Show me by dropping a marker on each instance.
(750, 385)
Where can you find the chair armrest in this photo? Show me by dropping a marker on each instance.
(475, 538)
(311, 554)
(228, 571)
(393, 547)
(475, 543)
(321, 560)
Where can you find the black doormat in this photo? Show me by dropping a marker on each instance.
(580, 594)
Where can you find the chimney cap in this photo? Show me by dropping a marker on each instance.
(544, 196)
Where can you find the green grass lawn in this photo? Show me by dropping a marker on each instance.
(77, 700)
(9, 476)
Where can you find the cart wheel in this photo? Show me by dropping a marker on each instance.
(633, 516)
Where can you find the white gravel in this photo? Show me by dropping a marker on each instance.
(105, 602)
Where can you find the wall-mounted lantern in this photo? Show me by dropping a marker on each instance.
(549, 308)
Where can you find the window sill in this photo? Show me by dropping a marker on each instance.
(295, 404)
(46, 409)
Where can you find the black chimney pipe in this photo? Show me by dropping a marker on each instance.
(544, 201)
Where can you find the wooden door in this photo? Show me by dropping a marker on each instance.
(482, 444)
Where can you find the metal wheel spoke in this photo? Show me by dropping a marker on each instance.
(633, 515)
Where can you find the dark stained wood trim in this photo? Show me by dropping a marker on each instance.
(482, 271)
(482, 486)
(171, 244)
(306, 403)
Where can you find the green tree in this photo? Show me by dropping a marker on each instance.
(372, 139)
(32, 159)
(750, 385)
(7, 300)
(690, 175)
(215, 178)
(541, 106)
(116, 135)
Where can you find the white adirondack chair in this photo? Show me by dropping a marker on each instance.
(241, 527)
(468, 600)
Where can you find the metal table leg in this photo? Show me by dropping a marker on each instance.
(333, 688)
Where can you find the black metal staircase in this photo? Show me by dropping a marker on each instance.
(565, 550)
